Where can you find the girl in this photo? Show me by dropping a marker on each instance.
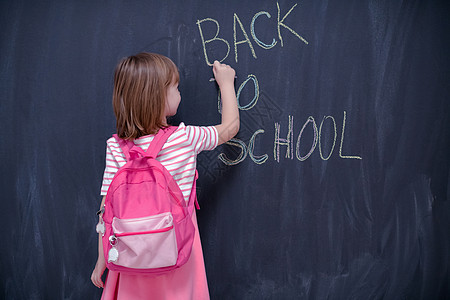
(145, 94)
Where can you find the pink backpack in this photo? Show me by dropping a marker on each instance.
(148, 224)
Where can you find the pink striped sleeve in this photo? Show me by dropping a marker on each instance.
(203, 138)
(112, 165)
(211, 140)
(198, 139)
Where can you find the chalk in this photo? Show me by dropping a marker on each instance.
(213, 79)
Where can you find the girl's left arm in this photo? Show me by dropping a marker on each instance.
(100, 266)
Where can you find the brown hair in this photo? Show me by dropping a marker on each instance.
(140, 91)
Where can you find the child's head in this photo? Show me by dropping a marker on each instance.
(141, 84)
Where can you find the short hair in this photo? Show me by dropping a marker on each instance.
(140, 92)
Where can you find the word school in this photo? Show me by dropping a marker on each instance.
(288, 142)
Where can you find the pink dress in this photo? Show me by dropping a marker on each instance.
(179, 156)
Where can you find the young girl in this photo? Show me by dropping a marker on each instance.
(145, 94)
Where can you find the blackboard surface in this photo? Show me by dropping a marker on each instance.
(336, 186)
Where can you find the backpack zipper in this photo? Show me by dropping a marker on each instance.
(144, 232)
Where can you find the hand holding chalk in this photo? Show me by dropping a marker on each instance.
(213, 79)
(223, 74)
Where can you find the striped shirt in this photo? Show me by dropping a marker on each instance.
(178, 155)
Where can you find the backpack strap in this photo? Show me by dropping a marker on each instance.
(154, 148)
(193, 197)
(159, 141)
(125, 145)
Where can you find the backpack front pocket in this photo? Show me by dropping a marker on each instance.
(144, 243)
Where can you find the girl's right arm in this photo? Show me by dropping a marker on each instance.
(229, 126)
(100, 266)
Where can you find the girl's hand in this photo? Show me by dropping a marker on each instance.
(223, 73)
(96, 276)
(229, 126)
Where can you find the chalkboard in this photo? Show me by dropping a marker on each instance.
(336, 186)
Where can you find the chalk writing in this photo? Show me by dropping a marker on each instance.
(320, 137)
(297, 151)
(254, 100)
(251, 147)
(317, 139)
(342, 141)
(215, 38)
(246, 40)
(237, 143)
(255, 97)
(288, 141)
(252, 31)
(245, 150)
(280, 24)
